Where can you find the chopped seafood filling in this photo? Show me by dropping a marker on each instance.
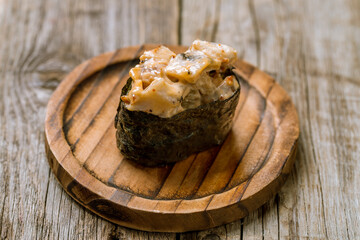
(165, 84)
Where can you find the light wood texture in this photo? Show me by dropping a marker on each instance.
(310, 47)
(207, 189)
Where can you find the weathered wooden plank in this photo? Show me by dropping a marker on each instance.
(239, 26)
(308, 45)
(311, 47)
(227, 22)
(287, 39)
(330, 60)
(41, 42)
(199, 20)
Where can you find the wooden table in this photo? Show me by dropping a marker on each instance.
(312, 48)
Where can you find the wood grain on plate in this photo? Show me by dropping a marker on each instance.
(207, 189)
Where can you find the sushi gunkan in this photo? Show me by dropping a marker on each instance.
(175, 105)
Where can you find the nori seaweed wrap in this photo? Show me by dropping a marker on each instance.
(151, 140)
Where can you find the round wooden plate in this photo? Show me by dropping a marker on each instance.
(207, 189)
